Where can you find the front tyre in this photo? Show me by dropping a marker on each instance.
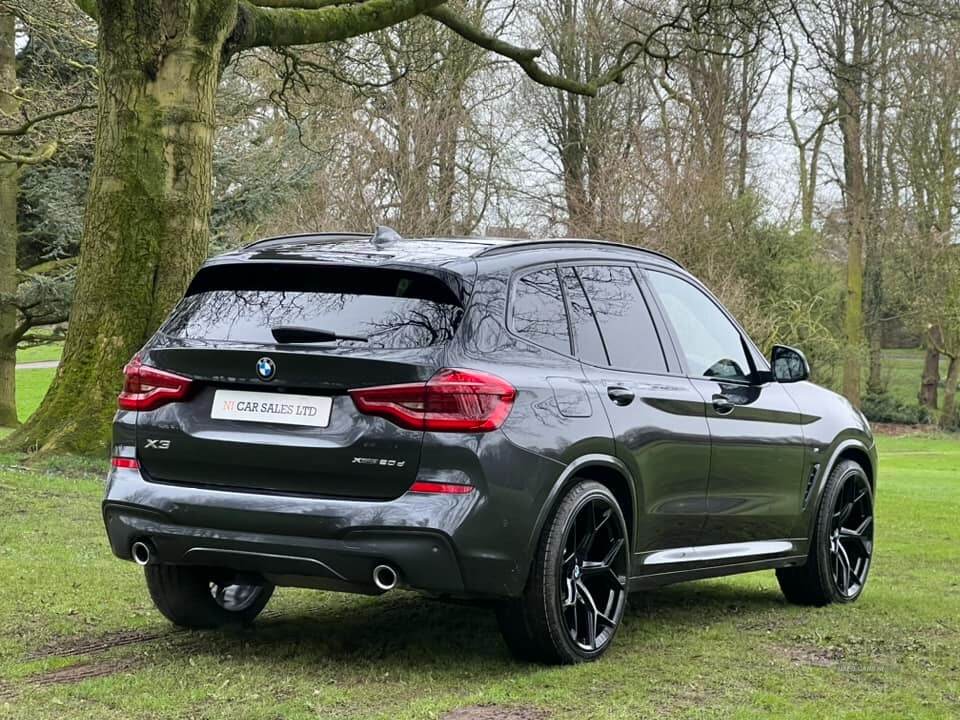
(841, 548)
(203, 598)
(577, 589)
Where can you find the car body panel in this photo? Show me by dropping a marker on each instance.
(709, 495)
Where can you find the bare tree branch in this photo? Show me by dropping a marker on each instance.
(41, 156)
(300, 4)
(526, 58)
(271, 27)
(28, 124)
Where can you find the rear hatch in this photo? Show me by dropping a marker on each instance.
(271, 415)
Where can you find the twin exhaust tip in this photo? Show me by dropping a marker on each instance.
(141, 553)
(385, 577)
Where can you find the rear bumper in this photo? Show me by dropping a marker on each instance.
(424, 560)
(308, 541)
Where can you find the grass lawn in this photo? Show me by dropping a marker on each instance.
(902, 370)
(80, 639)
(32, 385)
(40, 353)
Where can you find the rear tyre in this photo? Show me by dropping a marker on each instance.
(203, 598)
(841, 548)
(577, 590)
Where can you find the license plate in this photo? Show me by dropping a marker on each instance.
(308, 410)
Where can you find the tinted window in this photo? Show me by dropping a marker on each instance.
(710, 342)
(390, 309)
(586, 336)
(625, 322)
(538, 313)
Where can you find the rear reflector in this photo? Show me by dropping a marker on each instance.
(451, 401)
(436, 488)
(125, 463)
(146, 388)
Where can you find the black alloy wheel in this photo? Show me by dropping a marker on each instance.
(577, 589)
(841, 547)
(593, 578)
(851, 536)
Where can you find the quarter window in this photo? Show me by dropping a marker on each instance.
(538, 311)
(625, 323)
(711, 343)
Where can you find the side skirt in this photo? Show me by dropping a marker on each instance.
(653, 580)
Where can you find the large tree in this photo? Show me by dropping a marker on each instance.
(42, 121)
(147, 220)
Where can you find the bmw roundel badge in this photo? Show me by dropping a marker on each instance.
(266, 368)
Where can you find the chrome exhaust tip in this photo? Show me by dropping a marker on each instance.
(385, 577)
(141, 553)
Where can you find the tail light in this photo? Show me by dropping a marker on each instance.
(146, 388)
(451, 401)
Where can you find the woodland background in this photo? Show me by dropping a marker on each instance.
(801, 158)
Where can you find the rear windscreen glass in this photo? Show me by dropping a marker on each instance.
(379, 308)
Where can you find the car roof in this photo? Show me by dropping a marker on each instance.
(362, 248)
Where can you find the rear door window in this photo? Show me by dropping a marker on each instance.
(626, 325)
(378, 308)
(538, 313)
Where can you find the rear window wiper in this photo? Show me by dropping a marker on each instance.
(293, 334)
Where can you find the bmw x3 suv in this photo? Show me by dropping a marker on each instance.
(543, 426)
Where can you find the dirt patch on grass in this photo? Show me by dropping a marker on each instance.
(495, 712)
(79, 673)
(899, 429)
(812, 656)
(72, 647)
(7, 692)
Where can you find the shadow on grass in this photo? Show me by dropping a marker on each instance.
(404, 629)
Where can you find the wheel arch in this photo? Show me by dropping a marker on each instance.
(849, 449)
(859, 454)
(607, 470)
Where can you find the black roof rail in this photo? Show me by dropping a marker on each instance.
(294, 236)
(558, 242)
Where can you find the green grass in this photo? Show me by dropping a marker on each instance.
(727, 648)
(40, 353)
(902, 370)
(32, 385)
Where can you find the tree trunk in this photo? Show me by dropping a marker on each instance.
(930, 382)
(948, 417)
(8, 232)
(849, 83)
(147, 220)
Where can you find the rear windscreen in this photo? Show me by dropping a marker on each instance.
(386, 308)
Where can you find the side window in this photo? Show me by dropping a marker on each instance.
(625, 323)
(586, 335)
(710, 342)
(537, 310)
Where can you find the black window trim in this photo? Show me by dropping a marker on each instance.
(515, 277)
(655, 316)
(759, 375)
(674, 369)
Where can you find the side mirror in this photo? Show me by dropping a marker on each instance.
(789, 364)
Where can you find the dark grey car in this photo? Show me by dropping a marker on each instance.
(546, 425)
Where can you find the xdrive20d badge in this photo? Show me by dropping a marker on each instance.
(543, 427)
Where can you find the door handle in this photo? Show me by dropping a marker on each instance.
(620, 395)
(722, 405)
